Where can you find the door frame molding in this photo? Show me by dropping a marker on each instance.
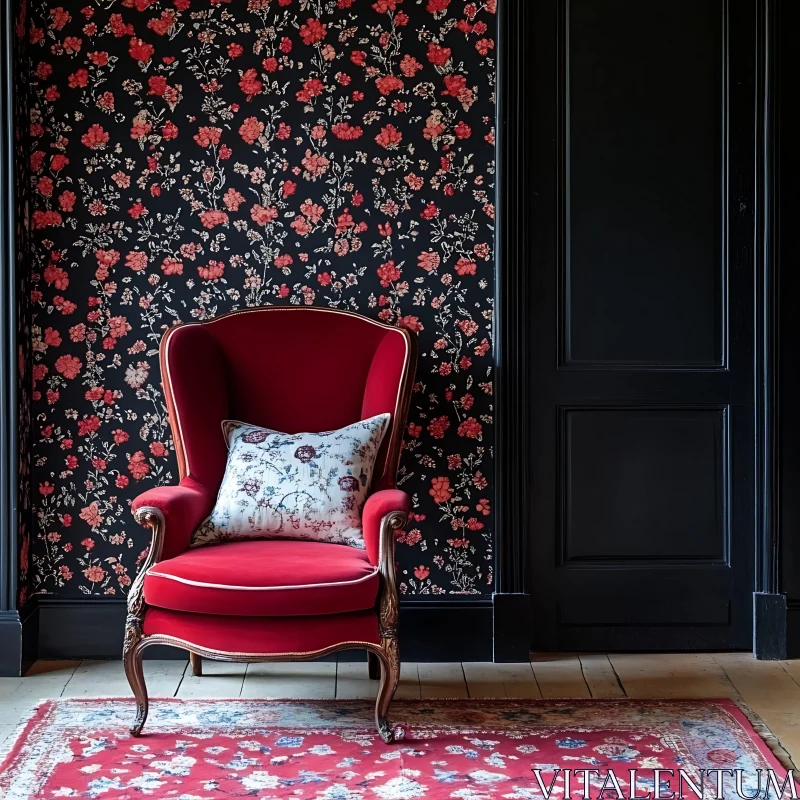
(515, 249)
(10, 623)
(771, 636)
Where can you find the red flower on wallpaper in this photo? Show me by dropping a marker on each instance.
(438, 55)
(250, 84)
(207, 136)
(56, 276)
(429, 260)
(251, 129)
(465, 267)
(212, 272)
(421, 572)
(313, 87)
(138, 465)
(263, 216)
(409, 66)
(313, 31)
(139, 50)
(389, 137)
(346, 131)
(388, 272)
(438, 427)
(66, 200)
(440, 490)
(386, 6)
(172, 266)
(211, 218)
(454, 84)
(58, 162)
(157, 85)
(136, 260)
(470, 428)
(68, 366)
(315, 164)
(387, 84)
(233, 199)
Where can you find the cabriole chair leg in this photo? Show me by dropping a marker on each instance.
(197, 664)
(134, 670)
(389, 657)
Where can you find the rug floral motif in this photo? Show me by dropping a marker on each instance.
(328, 750)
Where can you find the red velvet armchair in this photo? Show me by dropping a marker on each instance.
(292, 369)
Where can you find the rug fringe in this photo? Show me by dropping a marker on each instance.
(766, 736)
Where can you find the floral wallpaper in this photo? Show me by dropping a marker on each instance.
(191, 157)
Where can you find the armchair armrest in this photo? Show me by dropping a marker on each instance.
(378, 505)
(385, 512)
(172, 513)
(182, 509)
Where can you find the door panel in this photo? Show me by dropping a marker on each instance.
(643, 145)
(642, 324)
(626, 471)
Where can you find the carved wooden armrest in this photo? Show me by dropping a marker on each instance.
(389, 604)
(148, 517)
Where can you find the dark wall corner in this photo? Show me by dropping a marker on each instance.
(512, 627)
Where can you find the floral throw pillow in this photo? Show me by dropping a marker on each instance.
(308, 486)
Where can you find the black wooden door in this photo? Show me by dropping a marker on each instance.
(641, 323)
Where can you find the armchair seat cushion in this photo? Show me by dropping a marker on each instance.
(264, 579)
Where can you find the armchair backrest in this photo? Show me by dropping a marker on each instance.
(289, 368)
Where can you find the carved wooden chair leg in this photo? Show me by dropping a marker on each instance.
(389, 657)
(373, 666)
(134, 670)
(197, 664)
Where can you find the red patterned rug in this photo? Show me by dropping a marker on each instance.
(328, 750)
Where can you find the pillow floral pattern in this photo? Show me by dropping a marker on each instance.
(309, 486)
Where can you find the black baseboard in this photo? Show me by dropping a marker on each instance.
(792, 628)
(10, 644)
(30, 634)
(512, 627)
(435, 630)
(769, 626)
(18, 640)
(75, 628)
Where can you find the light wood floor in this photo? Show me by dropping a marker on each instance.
(770, 688)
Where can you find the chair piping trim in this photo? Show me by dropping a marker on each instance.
(205, 585)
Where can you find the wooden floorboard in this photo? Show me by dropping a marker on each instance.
(486, 679)
(657, 675)
(353, 681)
(445, 679)
(770, 688)
(107, 678)
(600, 677)
(408, 688)
(770, 691)
(219, 679)
(306, 680)
(560, 675)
